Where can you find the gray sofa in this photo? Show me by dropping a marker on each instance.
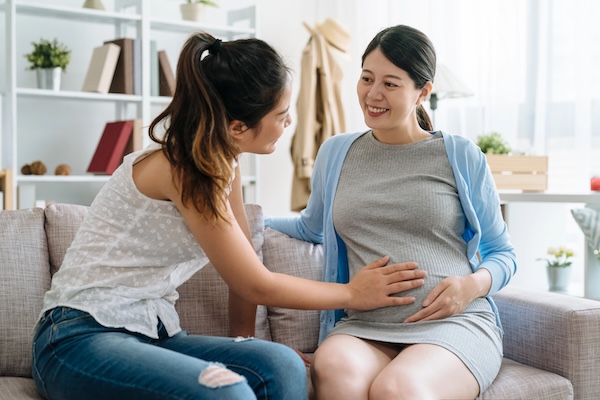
(552, 342)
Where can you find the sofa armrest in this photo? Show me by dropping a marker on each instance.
(553, 332)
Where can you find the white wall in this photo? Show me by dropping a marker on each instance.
(280, 24)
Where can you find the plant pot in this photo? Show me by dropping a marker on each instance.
(192, 11)
(49, 78)
(558, 278)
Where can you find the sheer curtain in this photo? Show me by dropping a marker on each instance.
(533, 66)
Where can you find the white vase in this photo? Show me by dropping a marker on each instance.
(192, 11)
(558, 278)
(49, 78)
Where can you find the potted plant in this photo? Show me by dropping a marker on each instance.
(49, 59)
(558, 268)
(492, 143)
(513, 171)
(193, 10)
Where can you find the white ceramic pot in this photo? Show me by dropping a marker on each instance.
(49, 78)
(192, 11)
(558, 278)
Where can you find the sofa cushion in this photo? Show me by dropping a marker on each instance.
(62, 223)
(13, 388)
(203, 300)
(298, 329)
(588, 220)
(518, 381)
(24, 278)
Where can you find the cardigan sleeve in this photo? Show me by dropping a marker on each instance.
(496, 251)
(486, 234)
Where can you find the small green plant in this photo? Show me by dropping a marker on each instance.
(49, 54)
(209, 3)
(560, 257)
(492, 144)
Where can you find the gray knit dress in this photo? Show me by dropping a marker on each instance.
(402, 201)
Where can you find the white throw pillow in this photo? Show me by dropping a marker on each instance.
(588, 220)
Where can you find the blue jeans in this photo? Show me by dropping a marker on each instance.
(76, 358)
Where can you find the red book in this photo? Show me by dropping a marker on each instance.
(110, 149)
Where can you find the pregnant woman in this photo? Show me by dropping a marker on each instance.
(418, 195)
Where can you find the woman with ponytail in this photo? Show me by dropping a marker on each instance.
(109, 329)
(420, 195)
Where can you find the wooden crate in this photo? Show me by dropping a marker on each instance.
(526, 173)
(6, 185)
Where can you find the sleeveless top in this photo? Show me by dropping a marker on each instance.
(128, 258)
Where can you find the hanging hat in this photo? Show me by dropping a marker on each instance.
(335, 34)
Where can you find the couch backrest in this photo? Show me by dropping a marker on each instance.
(61, 224)
(298, 329)
(24, 278)
(203, 299)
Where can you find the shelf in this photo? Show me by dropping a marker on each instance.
(81, 14)
(588, 198)
(61, 178)
(84, 178)
(161, 99)
(247, 180)
(75, 95)
(123, 16)
(191, 26)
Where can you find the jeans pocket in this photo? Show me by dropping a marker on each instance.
(68, 322)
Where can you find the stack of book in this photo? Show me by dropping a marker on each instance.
(115, 67)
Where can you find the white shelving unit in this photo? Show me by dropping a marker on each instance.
(25, 140)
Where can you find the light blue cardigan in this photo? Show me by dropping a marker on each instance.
(485, 232)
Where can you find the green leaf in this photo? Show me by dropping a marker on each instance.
(49, 54)
(492, 144)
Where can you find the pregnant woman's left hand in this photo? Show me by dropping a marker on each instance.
(451, 296)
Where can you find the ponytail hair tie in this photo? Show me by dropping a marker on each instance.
(214, 48)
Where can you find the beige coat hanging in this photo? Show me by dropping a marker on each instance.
(320, 113)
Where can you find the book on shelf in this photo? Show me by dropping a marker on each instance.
(123, 77)
(136, 140)
(101, 68)
(166, 76)
(1, 200)
(154, 78)
(111, 147)
(137, 66)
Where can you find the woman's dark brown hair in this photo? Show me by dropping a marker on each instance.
(411, 50)
(216, 83)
